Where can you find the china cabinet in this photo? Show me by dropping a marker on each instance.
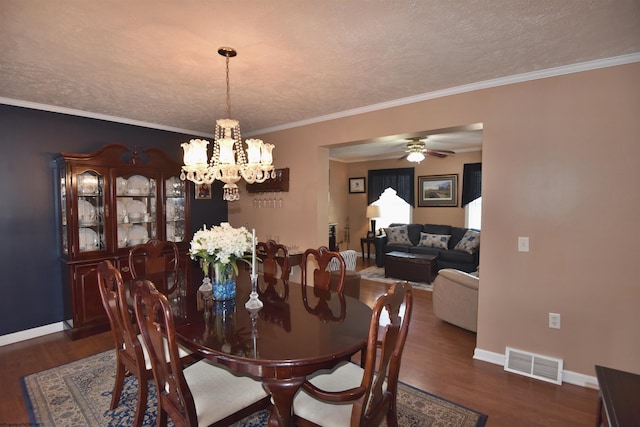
(109, 201)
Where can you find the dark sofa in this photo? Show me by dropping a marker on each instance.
(447, 258)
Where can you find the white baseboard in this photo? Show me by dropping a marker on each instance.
(31, 333)
(568, 377)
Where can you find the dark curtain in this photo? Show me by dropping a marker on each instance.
(471, 182)
(400, 179)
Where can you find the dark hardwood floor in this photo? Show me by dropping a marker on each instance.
(438, 358)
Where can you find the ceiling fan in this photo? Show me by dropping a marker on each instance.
(417, 148)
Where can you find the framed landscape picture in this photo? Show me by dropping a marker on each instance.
(438, 190)
(357, 185)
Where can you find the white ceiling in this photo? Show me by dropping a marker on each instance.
(155, 62)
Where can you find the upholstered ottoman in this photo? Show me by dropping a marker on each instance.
(409, 266)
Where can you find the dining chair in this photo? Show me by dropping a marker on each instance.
(275, 269)
(130, 357)
(319, 260)
(202, 394)
(156, 258)
(274, 259)
(131, 353)
(350, 395)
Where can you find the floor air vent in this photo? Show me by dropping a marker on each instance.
(534, 365)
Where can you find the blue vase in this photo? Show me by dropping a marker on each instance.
(224, 283)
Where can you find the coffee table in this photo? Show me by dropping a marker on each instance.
(410, 266)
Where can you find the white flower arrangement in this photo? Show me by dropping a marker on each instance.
(221, 246)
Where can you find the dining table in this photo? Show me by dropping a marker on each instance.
(298, 331)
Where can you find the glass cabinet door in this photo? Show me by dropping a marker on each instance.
(62, 194)
(89, 214)
(136, 205)
(175, 209)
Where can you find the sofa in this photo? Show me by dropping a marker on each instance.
(456, 247)
(455, 298)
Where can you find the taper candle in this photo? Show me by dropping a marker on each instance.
(253, 252)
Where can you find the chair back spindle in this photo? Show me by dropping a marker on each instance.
(159, 259)
(275, 262)
(321, 274)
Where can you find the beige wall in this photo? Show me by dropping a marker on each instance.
(338, 208)
(560, 166)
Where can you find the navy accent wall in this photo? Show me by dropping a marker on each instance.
(30, 274)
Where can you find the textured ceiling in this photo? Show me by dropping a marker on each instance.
(156, 62)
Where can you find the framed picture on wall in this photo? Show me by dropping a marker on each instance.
(357, 185)
(203, 191)
(438, 190)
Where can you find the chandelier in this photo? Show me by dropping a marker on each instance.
(229, 162)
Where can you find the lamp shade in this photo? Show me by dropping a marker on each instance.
(373, 211)
(415, 156)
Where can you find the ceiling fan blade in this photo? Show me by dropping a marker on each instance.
(435, 153)
(403, 157)
(444, 151)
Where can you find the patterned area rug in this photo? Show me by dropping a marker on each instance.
(377, 274)
(79, 394)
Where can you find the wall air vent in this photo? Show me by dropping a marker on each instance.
(534, 365)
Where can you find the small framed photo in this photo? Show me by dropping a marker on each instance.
(438, 190)
(357, 185)
(203, 191)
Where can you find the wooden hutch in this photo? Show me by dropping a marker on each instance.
(108, 201)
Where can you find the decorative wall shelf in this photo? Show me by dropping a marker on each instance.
(279, 183)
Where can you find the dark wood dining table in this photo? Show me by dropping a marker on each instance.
(297, 332)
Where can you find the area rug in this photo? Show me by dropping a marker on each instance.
(377, 275)
(79, 394)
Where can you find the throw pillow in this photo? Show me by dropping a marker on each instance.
(469, 242)
(440, 241)
(397, 235)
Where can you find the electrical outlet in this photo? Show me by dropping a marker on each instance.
(523, 244)
(554, 320)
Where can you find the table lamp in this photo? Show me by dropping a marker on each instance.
(373, 212)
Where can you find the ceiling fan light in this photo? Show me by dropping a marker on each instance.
(415, 156)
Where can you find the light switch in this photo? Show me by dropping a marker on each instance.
(523, 244)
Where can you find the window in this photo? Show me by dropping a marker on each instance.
(392, 209)
(400, 179)
(471, 194)
(473, 214)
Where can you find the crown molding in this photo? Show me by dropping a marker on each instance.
(98, 116)
(518, 78)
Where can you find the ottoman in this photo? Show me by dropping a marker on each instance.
(412, 267)
(351, 283)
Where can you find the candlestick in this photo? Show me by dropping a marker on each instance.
(253, 252)
(254, 302)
